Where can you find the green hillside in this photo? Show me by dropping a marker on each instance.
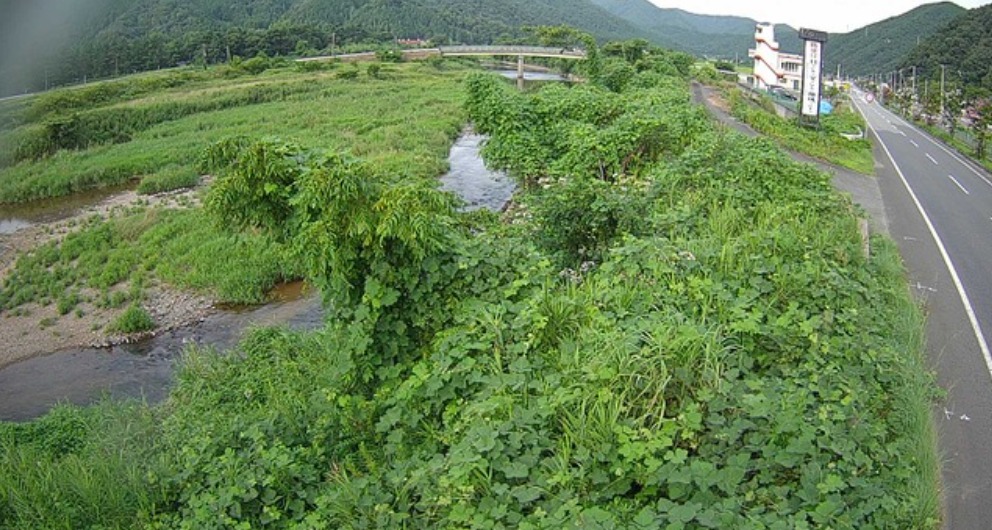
(883, 46)
(116, 36)
(712, 36)
(964, 46)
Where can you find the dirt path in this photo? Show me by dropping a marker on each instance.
(34, 329)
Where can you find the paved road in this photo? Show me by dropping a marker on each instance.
(939, 208)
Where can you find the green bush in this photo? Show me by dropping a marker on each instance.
(134, 319)
(257, 64)
(348, 73)
(389, 55)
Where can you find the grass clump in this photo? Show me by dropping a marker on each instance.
(134, 319)
(169, 178)
(78, 468)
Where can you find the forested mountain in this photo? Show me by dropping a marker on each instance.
(883, 46)
(50, 42)
(118, 36)
(724, 37)
(964, 46)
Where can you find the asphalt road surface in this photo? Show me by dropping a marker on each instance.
(939, 210)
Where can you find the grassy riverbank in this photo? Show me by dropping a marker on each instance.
(405, 118)
(678, 328)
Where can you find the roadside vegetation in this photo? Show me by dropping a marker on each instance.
(824, 143)
(678, 328)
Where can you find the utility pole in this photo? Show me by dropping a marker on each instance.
(914, 80)
(942, 90)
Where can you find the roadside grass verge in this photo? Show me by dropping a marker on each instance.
(963, 148)
(825, 144)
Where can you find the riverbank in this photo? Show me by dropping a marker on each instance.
(158, 251)
(37, 328)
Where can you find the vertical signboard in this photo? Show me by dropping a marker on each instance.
(812, 74)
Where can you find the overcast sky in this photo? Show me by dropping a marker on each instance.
(835, 16)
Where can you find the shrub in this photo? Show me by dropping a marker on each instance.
(389, 55)
(134, 319)
(257, 64)
(348, 73)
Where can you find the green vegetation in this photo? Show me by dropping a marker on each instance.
(99, 455)
(404, 123)
(680, 329)
(169, 178)
(965, 148)
(107, 263)
(103, 139)
(701, 35)
(825, 143)
(883, 46)
(134, 319)
(120, 36)
(964, 47)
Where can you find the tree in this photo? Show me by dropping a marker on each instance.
(953, 103)
(979, 113)
(360, 236)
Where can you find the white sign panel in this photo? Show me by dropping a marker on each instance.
(811, 79)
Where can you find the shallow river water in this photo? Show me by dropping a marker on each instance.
(145, 369)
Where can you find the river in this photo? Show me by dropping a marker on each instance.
(145, 369)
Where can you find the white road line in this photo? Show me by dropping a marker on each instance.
(900, 132)
(976, 327)
(956, 157)
(954, 180)
(932, 159)
(916, 145)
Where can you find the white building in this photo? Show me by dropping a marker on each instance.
(773, 68)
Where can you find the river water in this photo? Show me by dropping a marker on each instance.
(145, 369)
(533, 76)
(14, 217)
(469, 179)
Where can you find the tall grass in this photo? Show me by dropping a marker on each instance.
(405, 123)
(79, 468)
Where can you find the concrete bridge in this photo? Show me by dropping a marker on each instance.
(463, 51)
(519, 51)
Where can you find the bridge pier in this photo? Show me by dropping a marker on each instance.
(520, 72)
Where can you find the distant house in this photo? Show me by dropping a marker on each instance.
(773, 68)
(412, 43)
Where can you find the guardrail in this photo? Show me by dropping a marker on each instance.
(532, 51)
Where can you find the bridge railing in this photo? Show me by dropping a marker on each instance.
(513, 50)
